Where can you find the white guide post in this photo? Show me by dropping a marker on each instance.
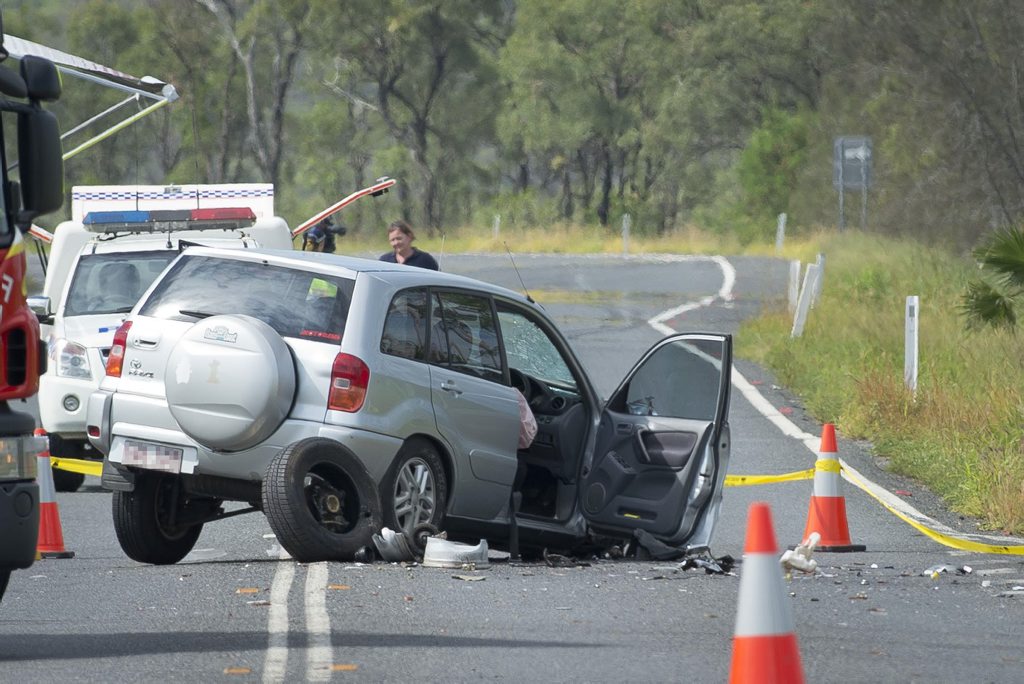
(910, 359)
(627, 221)
(819, 280)
(794, 284)
(780, 233)
(804, 304)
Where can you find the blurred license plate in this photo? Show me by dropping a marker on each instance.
(152, 456)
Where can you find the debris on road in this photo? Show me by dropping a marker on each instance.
(937, 570)
(555, 560)
(799, 558)
(711, 565)
(469, 578)
(441, 553)
(392, 546)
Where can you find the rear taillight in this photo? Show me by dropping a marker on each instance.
(349, 379)
(116, 357)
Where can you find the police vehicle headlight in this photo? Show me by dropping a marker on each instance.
(72, 359)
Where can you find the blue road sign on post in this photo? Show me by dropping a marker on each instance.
(851, 169)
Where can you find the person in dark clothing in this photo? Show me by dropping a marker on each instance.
(400, 236)
(320, 238)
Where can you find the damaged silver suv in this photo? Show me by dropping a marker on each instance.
(339, 395)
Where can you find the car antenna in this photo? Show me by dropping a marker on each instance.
(516, 269)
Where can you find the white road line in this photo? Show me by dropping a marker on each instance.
(786, 426)
(275, 663)
(318, 625)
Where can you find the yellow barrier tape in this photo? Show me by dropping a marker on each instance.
(77, 465)
(748, 480)
(828, 465)
(944, 539)
(833, 465)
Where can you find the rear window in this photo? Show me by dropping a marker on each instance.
(112, 283)
(295, 303)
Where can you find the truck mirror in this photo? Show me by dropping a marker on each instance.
(41, 164)
(42, 80)
(12, 85)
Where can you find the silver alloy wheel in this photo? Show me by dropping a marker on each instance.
(414, 495)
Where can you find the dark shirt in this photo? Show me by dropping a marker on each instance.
(417, 258)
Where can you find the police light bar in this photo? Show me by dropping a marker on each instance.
(168, 220)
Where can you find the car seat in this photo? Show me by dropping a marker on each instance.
(119, 284)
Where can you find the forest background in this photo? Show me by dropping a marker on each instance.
(702, 120)
(719, 114)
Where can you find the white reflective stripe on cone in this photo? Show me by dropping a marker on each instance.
(47, 492)
(764, 608)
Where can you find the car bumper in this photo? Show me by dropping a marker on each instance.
(54, 394)
(152, 424)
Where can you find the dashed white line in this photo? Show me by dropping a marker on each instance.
(275, 663)
(318, 624)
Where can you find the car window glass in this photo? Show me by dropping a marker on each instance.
(294, 302)
(464, 336)
(530, 350)
(681, 379)
(113, 282)
(405, 325)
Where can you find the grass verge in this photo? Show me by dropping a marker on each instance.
(962, 434)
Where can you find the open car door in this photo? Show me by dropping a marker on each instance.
(662, 445)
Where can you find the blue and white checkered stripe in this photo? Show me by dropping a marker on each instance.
(202, 194)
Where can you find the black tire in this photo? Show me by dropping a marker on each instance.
(320, 501)
(405, 508)
(65, 481)
(140, 522)
(5, 576)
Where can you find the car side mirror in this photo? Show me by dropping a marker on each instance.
(40, 306)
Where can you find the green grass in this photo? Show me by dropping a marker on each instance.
(962, 434)
(556, 239)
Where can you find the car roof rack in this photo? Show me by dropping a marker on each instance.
(169, 220)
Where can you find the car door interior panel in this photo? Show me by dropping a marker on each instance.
(667, 449)
(642, 479)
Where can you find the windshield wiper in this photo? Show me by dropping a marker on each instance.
(197, 314)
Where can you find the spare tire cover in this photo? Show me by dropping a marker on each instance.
(230, 382)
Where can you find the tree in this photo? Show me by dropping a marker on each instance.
(267, 38)
(425, 67)
(585, 78)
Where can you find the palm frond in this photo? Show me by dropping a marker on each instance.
(1003, 255)
(984, 305)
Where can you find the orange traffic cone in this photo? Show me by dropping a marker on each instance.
(764, 647)
(51, 539)
(827, 513)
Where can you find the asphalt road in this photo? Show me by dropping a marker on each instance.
(234, 611)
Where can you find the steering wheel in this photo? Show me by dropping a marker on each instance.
(521, 382)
